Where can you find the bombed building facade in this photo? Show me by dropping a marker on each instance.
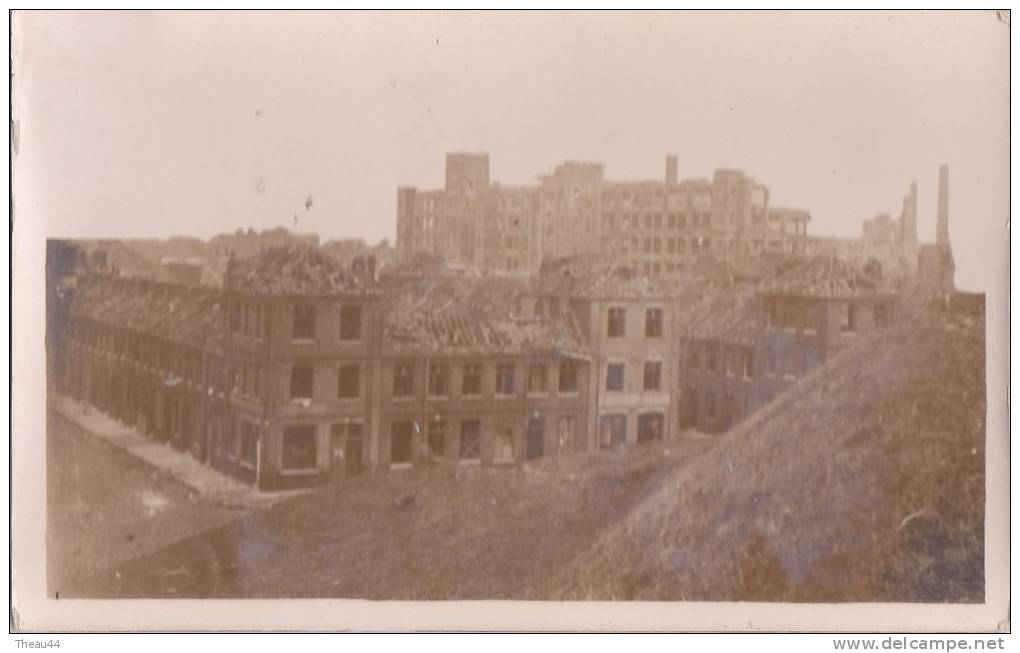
(303, 367)
(300, 369)
(658, 227)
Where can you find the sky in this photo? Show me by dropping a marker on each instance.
(196, 123)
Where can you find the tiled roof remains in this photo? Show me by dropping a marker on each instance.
(600, 278)
(461, 315)
(727, 316)
(822, 276)
(296, 270)
(182, 314)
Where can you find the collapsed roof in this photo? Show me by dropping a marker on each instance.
(472, 315)
(596, 277)
(297, 270)
(178, 313)
(822, 276)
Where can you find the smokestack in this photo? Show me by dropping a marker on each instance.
(942, 228)
(909, 224)
(671, 170)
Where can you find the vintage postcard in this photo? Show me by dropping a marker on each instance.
(540, 320)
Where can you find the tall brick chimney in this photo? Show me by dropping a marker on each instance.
(942, 227)
(910, 218)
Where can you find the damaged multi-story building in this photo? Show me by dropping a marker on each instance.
(302, 368)
(659, 227)
(890, 242)
(472, 378)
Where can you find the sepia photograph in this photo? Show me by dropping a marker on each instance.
(636, 311)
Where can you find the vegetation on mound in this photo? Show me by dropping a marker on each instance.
(865, 482)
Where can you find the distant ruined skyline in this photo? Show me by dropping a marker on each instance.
(190, 123)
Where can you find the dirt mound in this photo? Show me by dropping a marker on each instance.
(865, 482)
(429, 533)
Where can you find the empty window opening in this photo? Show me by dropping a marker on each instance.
(302, 382)
(650, 427)
(568, 434)
(403, 380)
(536, 437)
(536, 377)
(299, 450)
(614, 377)
(612, 431)
(568, 376)
(350, 322)
(439, 379)
(848, 318)
(470, 439)
(503, 451)
(653, 323)
(437, 436)
(617, 322)
(304, 322)
(653, 375)
(505, 379)
(249, 443)
(401, 436)
(349, 382)
(471, 384)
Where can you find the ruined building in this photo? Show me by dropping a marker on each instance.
(657, 226)
(302, 368)
(894, 246)
(936, 267)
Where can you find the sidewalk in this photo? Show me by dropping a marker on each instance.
(203, 479)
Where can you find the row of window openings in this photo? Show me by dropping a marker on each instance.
(676, 246)
(302, 380)
(792, 316)
(655, 268)
(737, 364)
(469, 446)
(613, 429)
(163, 355)
(617, 323)
(730, 406)
(651, 381)
(300, 450)
(652, 195)
(652, 377)
(706, 356)
(471, 379)
(255, 321)
(655, 221)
